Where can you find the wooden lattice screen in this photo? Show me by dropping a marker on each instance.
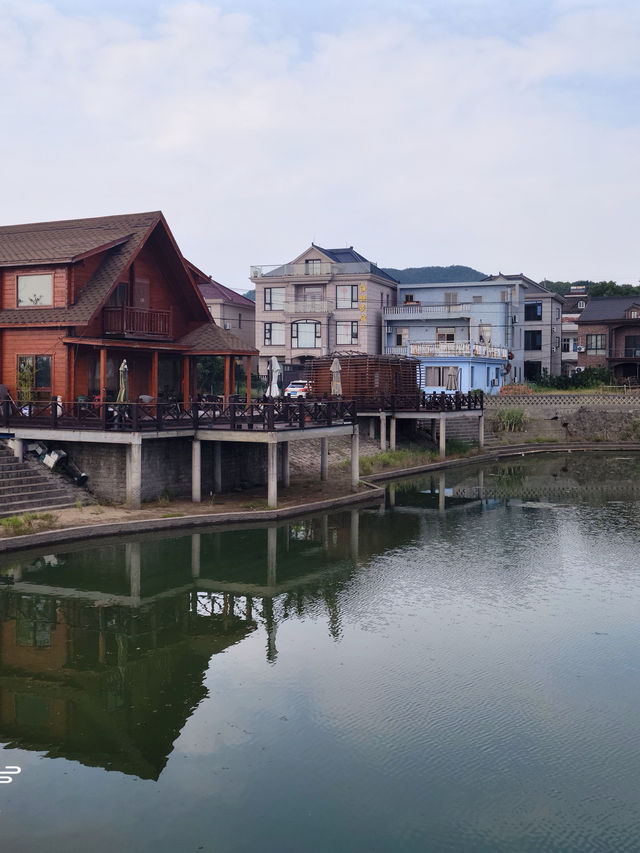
(365, 375)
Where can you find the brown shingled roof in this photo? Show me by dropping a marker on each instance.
(61, 242)
(209, 338)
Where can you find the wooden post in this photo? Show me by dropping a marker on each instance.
(227, 373)
(103, 373)
(185, 380)
(154, 376)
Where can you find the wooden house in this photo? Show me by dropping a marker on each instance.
(79, 296)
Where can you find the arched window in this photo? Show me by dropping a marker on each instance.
(305, 334)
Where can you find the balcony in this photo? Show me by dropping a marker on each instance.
(309, 306)
(416, 311)
(442, 349)
(127, 322)
(621, 353)
(304, 270)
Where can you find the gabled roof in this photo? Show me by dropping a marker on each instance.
(608, 308)
(209, 339)
(349, 255)
(214, 290)
(47, 243)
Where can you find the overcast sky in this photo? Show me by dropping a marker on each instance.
(501, 134)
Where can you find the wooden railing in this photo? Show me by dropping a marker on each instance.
(422, 402)
(136, 322)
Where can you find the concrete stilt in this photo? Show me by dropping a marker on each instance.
(196, 471)
(392, 433)
(324, 458)
(217, 467)
(443, 437)
(134, 472)
(355, 458)
(372, 427)
(383, 431)
(481, 430)
(272, 475)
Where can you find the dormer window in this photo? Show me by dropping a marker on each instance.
(632, 314)
(313, 266)
(35, 290)
(581, 303)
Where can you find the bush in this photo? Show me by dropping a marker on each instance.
(590, 377)
(510, 420)
(508, 390)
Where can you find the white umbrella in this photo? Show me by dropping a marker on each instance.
(274, 388)
(336, 378)
(123, 392)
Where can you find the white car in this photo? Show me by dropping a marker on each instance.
(297, 389)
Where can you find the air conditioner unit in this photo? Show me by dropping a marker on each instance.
(579, 369)
(580, 349)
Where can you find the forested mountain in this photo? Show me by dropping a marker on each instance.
(250, 294)
(593, 288)
(426, 275)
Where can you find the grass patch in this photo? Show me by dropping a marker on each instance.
(540, 440)
(28, 522)
(172, 515)
(510, 420)
(410, 457)
(255, 505)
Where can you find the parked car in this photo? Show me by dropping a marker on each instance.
(298, 388)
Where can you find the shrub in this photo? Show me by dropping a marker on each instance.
(510, 420)
(509, 390)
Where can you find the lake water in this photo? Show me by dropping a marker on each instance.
(455, 671)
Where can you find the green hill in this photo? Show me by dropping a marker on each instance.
(428, 275)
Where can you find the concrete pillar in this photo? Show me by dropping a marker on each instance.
(195, 555)
(284, 462)
(481, 430)
(443, 437)
(392, 433)
(355, 458)
(272, 555)
(372, 427)
(217, 467)
(134, 472)
(17, 445)
(324, 458)
(196, 471)
(383, 431)
(272, 475)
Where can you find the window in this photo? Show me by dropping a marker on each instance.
(305, 334)
(35, 290)
(402, 336)
(433, 377)
(596, 344)
(408, 298)
(556, 342)
(347, 333)
(632, 346)
(239, 321)
(504, 296)
(484, 333)
(347, 296)
(566, 345)
(451, 297)
(119, 295)
(581, 303)
(557, 313)
(532, 311)
(533, 339)
(477, 299)
(274, 298)
(274, 334)
(34, 377)
(313, 267)
(532, 370)
(445, 334)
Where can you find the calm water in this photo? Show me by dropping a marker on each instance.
(456, 671)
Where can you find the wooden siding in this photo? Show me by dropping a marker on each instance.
(33, 342)
(81, 273)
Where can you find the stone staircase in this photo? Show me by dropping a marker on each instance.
(29, 487)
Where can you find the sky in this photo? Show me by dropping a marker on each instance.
(499, 134)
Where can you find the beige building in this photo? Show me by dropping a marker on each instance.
(325, 300)
(230, 310)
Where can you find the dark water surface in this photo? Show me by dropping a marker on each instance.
(457, 671)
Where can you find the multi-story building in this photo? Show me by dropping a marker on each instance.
(609, 336)
(574, 303)
(230, 310)
(324, 300)
(540, 335)
(465, 334)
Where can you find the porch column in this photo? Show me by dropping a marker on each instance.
(217, 467)
(103, 373)
(185, 380)
(154, 376)
(284, 464)
(134, 472)
(383, 431)
(196, 471)
(227, 373)
(70, 383)
(355, 458)
(232, 375)
(247, 370)
(324, 458)
(443, 437)
(481, 430)
(392, 433)
(272, 475)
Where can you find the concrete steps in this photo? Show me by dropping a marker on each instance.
(29, 487)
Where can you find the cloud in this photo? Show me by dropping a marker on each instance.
(400, 131)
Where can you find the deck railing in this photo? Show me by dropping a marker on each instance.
(136, 322)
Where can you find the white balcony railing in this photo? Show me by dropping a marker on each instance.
(309, 306)
(416, 311)
(441, 349)
(321, 268)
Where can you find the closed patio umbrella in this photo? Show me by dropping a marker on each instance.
(123, 392)
(274, 388)
(452, 379)
(336, 378)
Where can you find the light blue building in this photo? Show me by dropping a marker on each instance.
(467, 335)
